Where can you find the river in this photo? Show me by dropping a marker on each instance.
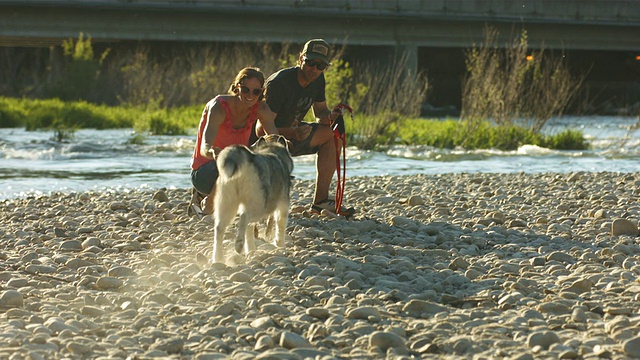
(32, 164)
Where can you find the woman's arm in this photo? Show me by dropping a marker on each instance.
(266, 119)
(215, 117)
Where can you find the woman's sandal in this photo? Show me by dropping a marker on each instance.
(203, 207)
(194, 208)
(330, 205)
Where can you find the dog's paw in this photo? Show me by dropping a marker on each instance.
(236, 259)
(201, 259)
(217, 259)
(239, 243)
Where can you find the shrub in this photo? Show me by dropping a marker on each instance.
(12, 113)
(566, 140)
(384, 95)
(450, 134)
(186, 76)
(79, 77)
(508, 85)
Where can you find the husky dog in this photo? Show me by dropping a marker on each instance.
(254, 183)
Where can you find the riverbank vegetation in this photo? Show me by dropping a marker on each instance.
(63, 118)
(509, 83)
(165, 94)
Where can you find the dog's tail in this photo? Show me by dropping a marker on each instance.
(231, 159)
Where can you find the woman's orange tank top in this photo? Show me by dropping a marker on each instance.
(227, 135)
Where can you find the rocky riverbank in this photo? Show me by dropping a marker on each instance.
(478, 266)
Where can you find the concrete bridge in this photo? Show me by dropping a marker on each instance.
(382, 27)
(566, 24)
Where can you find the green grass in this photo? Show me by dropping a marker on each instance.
(453, 133)
(65, 117)
(56, 114)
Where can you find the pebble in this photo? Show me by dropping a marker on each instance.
(12, 298)
(543, 339)
(624, 227)
(631, 347)
(108, 283)
(290, 340)
(385, 340)
(509, 266)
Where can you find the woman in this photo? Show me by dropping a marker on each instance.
(227, 120)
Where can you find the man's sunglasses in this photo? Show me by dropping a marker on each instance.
(318, 64)
(246, 89)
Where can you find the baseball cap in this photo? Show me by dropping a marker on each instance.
(317, 49)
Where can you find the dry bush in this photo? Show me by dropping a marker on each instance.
(504, 86)
(385, 94)
(194, 75)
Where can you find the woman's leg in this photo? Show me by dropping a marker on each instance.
(207, 203)
(204, 180)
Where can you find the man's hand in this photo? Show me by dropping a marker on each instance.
(334, 114)
(301, 132)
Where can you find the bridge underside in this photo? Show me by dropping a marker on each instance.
(433, 39)
(25, 24)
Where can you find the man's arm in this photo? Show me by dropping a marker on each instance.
(294, 132)
(322, 113)
(267, 125)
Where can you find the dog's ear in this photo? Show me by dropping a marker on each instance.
(283, 140)
(273, 138)
(261, 140)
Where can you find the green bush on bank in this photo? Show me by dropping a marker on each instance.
(62, 116)
(453, 133)
(52, 114)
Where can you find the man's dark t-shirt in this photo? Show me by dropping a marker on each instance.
(288, 99)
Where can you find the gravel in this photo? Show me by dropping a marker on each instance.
(477, 266)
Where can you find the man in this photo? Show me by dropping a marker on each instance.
(290, 93)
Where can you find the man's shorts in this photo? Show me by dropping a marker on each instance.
(298, 148)
(204, 177)
(304, 147)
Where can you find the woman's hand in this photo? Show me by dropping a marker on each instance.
(213, 152)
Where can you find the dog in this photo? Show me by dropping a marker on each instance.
(254, 183)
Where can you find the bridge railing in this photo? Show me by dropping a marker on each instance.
(623, 11)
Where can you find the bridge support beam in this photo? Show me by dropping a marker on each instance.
(409, 54)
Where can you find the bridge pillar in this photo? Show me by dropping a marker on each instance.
(408, 54)
(405, 55)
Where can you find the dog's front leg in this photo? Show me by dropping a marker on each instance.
(281, 217)
(218, 236)
(270, 231)
(223, 216)
(251, 234)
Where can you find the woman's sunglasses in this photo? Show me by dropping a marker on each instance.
(246, 89)
(318, 64)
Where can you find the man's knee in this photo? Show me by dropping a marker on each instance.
(323, 135)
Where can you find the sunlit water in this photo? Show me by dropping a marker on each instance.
(31, 163)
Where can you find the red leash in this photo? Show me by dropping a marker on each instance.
(339, 133)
